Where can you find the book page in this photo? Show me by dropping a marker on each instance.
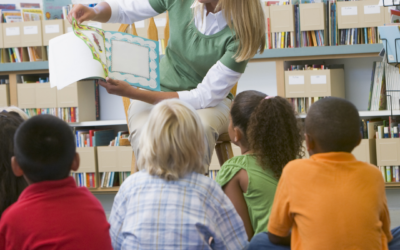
(133, 59)
(94, 38)
(71, 60)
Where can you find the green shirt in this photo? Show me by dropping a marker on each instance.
(260, 191)
(190, 54)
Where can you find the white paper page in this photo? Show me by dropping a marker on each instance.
(122, 54)
(71, 60)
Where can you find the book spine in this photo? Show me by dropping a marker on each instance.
(97, 100)
(388, 174)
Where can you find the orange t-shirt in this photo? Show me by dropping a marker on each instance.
(331, 201)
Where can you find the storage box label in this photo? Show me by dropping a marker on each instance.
(30, 30)
(372, 9)
(349, 11)
(12, 31)
(160, 21)
(139, 24)
(294, 80)
(96, 25)
(318, 79)
(52, 28)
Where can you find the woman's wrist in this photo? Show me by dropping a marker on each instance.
(101, 12)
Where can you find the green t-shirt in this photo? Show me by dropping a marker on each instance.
(260, 191)
(190, 54)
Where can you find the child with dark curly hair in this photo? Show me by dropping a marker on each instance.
(267, 131)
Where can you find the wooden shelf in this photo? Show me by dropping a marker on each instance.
(98, 123)
(24, 66)
(367, 113)
(392, 185)
(104, 190)
(359, 50)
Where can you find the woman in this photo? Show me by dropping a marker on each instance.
(170, 204)
(10, 185)
(210, 44)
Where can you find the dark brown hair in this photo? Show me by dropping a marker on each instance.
(271, 128)
(10, 185)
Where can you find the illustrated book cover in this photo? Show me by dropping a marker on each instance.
(92, 53)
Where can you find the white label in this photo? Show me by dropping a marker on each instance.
(160, 22)
(12, 31)
(69, 29)
(391, 58)
(294, 80)
(139, 24)
(372, 9)
(319, 79)
(96, 25)
(52, 28)
(30, 30)
(349, 11)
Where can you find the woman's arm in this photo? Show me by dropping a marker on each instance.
(234, 189)
(121, 88)
(113, 11)
(214, 88)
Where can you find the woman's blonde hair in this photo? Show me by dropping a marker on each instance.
(172, 142)
(246, 17)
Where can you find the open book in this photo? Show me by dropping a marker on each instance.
(89, 52)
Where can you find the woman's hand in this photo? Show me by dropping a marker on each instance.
(117, 87)
(81, 13)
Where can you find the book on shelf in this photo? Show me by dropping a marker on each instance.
(213, 174)
(390, 173)
(384, 86)
(53, 9)
(88, 180)
(93, 137)
(388, 35)
(91, 52)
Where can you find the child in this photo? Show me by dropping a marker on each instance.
(267, 132)
(170, 204)
(11, 186)
(330, 201)
(52, 212)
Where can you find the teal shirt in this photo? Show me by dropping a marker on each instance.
(190, 54)
(260, 191)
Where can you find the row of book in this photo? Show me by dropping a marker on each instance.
(331, 35)
(113, 179)
(301, 105)
(37, 111)
(380, 128)
(28, 12)
(390, 173)
(213, 174)
(93, 137)
(85, 179)
(308, 67)
(65, 114)
(384, 88)
(358, 36)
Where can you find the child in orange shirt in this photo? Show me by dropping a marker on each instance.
(330, 201)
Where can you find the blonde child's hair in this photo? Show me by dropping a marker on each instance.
(16, 110)
(246, 18)
(172, 142)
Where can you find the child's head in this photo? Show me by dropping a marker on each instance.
(44, 149)
(268, 128)
(11, 186)
(172, 142)
(332, 125)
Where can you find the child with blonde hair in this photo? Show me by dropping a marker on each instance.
(267, 132)
(170, 204)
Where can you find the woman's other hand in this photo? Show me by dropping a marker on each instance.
(117, 87)
(81, 13)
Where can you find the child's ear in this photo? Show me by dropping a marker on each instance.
(75, 162)
(310, 144)
(16, 168)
